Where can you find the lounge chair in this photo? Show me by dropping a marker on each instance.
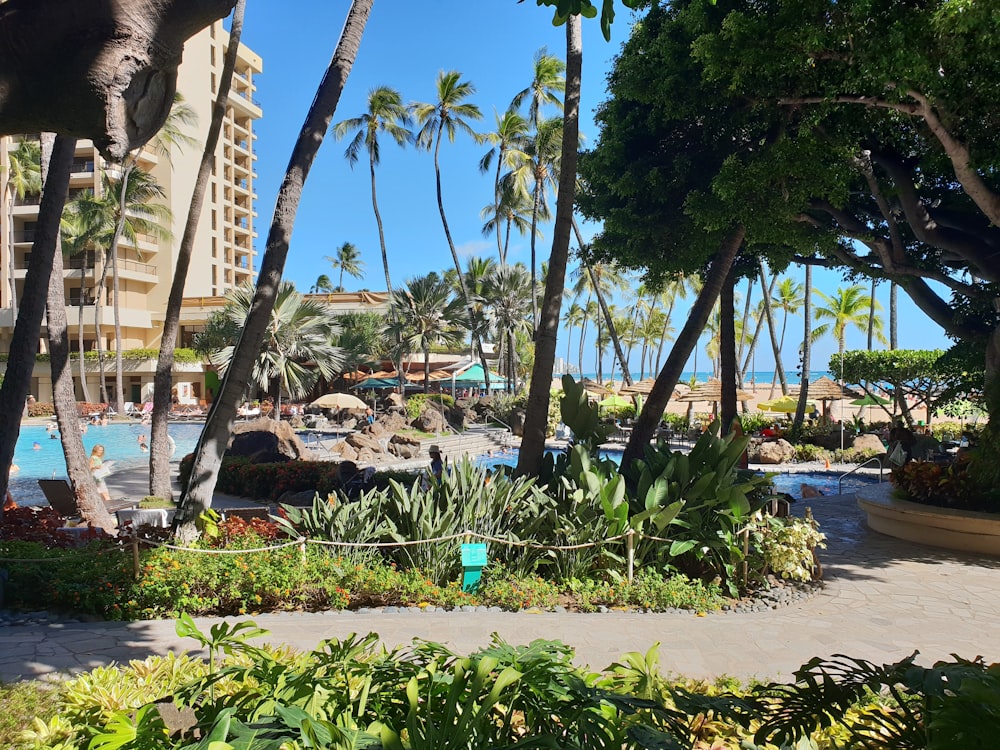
(60, 495)
(144, 517)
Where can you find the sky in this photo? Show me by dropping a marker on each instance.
(405, 45)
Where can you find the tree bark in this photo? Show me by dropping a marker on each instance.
(91, 504)
(800, 409)
(95, 69)
(686, 341)
(727, 351)
(159, 452)
(778, 364)
(24, 341)
(215, 437)
(529, 460)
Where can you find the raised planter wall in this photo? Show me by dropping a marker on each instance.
(961, 530)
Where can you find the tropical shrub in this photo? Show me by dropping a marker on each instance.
(648, 590)
(810, 452)
(950, 485)
(417, 403)
(755, 421)
(786, 545)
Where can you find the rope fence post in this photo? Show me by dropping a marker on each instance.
(302, 549)
(630, 553)
(135, 556)
(746, 551)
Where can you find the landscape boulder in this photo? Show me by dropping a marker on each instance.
(871, 443)
(775, 452)
(361, 441)
(266, 441)
(403, 446)
(430, 421)
(392, 421)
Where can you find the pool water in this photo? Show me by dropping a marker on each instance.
(120, 443)
(827, 482)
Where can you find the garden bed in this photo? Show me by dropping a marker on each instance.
(961, 530)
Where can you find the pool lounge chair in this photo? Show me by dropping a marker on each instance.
(60, 495)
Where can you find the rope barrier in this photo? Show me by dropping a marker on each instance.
(174, 547)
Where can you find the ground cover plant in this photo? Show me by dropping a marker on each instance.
(354, 693)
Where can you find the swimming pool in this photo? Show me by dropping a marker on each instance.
(827, 482)
(120, 445)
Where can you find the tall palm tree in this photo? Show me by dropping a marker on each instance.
(848, 307)
(807, 338)
(447, 115)
(507, 147)
(789, 298)
(322, 285)
(573, 318)
(425, 315)
(387, 114)
(218, 427)
(675, 289)
(536, 174)
(159, 464)
(347, 260)
(547, 323)
(24, 177)
(512, 211)
(477, 273)
(298, 348)
(132, 210)
(546, 87)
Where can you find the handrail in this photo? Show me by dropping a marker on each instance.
(881, 469)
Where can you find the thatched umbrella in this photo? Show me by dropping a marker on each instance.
(712, 391)
(825, 390)
(643, 387)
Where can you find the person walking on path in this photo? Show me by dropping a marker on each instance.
(100, 471)
(437, 464)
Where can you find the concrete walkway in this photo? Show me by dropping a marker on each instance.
(883, 599)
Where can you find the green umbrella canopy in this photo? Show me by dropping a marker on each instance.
(870, 399)
(614, 400)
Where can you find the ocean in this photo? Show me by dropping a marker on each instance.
(759, 376)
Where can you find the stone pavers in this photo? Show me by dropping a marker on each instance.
(883, 599)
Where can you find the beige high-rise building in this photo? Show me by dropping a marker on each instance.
(224, 245)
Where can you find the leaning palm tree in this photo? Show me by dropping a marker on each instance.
(218, 427)
(446, 116)
(424, 315)
(323, 285)
(507, 148)
(298, 348)
(347, 260)
(24, 178)
(159, 465)
(546, 87)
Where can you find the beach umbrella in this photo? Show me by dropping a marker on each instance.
(711, 391)
(614, 401)
(643, 387)
(785, 405)
(870, 399)
(339, 401)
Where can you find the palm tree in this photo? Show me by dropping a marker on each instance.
(547, 84)
(507, 294)
(218, 427)
(130, 207)
(447, 115)
(512, 211)
(807, 338)
(425, 315)
(347, 260)
(848, 307)
(298, 348)
(789, 299)
(572, 318)
(24, 177)
(536, 174)
(477, 273)
(547, 324)
(603, 280)
(767, 309)
(386, 113)
(676, 289)
(159, 464)
(323, 285)
(508, 142)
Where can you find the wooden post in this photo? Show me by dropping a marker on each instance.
(630, 553)
(302, 550)
(135, 556)
(746, 552)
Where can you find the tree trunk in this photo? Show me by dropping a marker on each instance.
(610, 323)
(84, 388)
(535, 207)
(893, 322)
(469, 307)
(95, 69)
(218, 428)
(800, 409)
(385, 264)
(116, 288)
(91, 504)
(778, 364)
(686, 342)
(529, 460)
(871, 317)
(727, 351)
(159, 452)
(24, 341)
(11, 259)
(741, 345)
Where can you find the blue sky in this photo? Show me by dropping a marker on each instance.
(405, 45)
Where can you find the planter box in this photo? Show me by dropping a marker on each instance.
(962, 530)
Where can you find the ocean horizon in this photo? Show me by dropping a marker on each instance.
(758, 376)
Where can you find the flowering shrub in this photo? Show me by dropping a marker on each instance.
(649, 589)
(40, 525)
(944, 485)
(787, 544)
(510, 591)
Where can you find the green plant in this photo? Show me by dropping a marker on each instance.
(501, 588)
(755, 421)
(810, 452)
(786, 545)
(152, 501)
(419, 402)
(25, 703)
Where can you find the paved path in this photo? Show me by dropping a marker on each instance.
(883, 599)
